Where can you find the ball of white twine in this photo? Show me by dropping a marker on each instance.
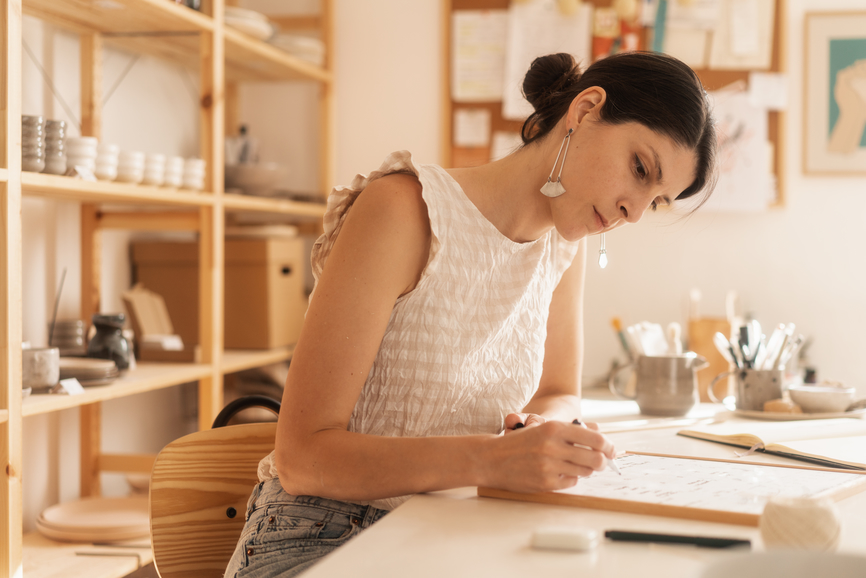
(801, 523)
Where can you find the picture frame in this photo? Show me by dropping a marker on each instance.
(834, 87)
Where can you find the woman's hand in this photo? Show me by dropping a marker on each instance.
(516, 421)
(548, 456)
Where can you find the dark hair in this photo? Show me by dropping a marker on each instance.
(654, 89)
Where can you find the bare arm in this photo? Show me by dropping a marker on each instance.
(378, 256)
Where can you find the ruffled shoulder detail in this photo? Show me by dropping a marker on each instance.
(342, 198)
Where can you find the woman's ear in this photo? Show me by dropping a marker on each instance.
(592, 98)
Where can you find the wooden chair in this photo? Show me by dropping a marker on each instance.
(198, 497)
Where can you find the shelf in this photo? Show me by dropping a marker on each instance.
(238, 360)
(45, 558)
(146, 377)
(171, 32)
(4, 175)
(235, 202)
(4, 415)
(248, 59)
(70, 189)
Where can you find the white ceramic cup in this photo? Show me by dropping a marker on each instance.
(40, 367)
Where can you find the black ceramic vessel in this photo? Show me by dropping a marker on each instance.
(109, 342)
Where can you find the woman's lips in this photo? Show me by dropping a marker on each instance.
(602, 224)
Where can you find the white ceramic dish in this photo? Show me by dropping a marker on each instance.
(821, 399)
(787, 563)
(255, 28)
(255, 179)
(774, 416)
(244, 13)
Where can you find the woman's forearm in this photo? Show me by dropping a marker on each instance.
(344, 465)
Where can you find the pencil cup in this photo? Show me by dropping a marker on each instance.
(665, 386)
(754, 387)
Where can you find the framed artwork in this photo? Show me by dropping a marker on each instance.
(834, 124)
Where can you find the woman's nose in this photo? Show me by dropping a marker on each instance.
(632, 211)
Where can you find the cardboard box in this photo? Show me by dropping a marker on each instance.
(264, 288)
(155, 339)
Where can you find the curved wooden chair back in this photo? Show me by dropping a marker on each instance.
(198, 497)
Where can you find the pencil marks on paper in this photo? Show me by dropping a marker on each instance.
(733, 487)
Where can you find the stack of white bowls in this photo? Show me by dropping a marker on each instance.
(130, 167)
(174, 172)
(193, 174)
(154, 169)
(32, 144)
(81, 152)
(107, 159)
(55, 147)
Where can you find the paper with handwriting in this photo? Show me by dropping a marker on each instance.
(710, 485)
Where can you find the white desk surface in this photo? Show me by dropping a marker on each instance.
(455, 533)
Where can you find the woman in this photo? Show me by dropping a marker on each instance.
(447, 310)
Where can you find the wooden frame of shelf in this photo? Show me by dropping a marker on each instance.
(223, 57)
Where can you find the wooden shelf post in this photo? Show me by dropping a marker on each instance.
(10, 290)
(211, 219)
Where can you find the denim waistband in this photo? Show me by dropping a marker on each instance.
(271, 493)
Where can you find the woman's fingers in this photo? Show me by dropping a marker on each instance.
(549, 456)
(516, 421)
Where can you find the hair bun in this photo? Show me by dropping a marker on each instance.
(548, 75)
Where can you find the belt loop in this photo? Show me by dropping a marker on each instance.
(369, 515)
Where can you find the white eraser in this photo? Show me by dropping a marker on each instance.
(564, 538)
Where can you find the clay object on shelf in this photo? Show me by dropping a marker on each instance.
(109, 342)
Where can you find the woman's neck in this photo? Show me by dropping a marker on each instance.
(507, 192)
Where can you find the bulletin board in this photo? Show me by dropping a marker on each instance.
(713, 79)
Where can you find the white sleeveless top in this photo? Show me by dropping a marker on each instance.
(466, 346)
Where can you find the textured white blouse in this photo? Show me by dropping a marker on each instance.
(466, 346)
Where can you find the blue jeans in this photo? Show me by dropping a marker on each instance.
(284, 535)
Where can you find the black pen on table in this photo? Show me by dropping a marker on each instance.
(708, 542)
(610, 462)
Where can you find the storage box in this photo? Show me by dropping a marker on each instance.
(264, 289)
(155, 339)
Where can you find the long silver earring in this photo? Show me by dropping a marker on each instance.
(602, 254)
(554, 188)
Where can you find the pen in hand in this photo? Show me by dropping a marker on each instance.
(609, 461)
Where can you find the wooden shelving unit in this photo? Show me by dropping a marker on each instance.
(223, 58)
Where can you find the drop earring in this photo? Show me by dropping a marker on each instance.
(554, 188)
(602, 254)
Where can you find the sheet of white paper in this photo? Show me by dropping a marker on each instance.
(742, 18)
(744, 183)
(471, 127)
(703, 14)
(768, 90)
(722, 57)
(478, 55)
(731, 487)
(537, 28)
(504, 143)
(648, 12)
(689, 45)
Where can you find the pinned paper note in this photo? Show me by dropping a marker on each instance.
(471, 127)
(478, 53)
(536, 29)
(744, 37)
(768, 90)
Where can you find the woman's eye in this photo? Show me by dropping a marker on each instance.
(639, 168)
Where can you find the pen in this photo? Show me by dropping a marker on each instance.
(609, 461)
(624, 536)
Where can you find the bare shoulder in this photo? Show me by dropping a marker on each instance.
(393, 196)
(388, 228)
